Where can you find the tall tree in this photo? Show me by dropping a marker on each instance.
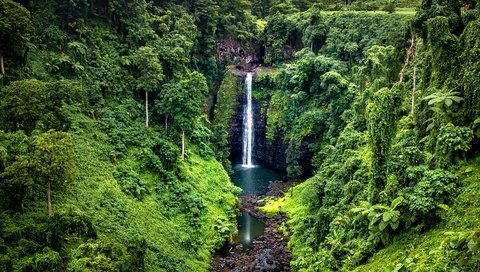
(150, 73)
(16, 178)
(261, 8)
(207, 16)
(451, 9)
(30, 104)
(382, 115)
(53, 161)
(182, 100)
(15, 28)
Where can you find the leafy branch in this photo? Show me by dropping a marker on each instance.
(379, 217)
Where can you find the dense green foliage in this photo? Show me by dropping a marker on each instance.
(382, 102)
(224, 111)
(387, 149)
(79, 79)
(317, 89)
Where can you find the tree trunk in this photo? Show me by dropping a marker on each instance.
(2, 68)
(146, 109)
(410, 52)
(49, 199)
(183, 144)
(414, 80)
(166, 123)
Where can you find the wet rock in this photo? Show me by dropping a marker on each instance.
(265, 261)
(271, 153)
(230, 263)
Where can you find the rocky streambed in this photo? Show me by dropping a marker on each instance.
(268, 252)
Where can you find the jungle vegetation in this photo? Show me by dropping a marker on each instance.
(388, 106)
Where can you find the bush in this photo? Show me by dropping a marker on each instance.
(468, 244)
(107, 256)
(131, 183)
(452, 143)
(429, 190)
(390, 7)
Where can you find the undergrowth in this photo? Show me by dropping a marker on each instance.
(443, 247)
(120, 215)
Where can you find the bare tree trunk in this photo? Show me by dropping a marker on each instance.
(146, 109)
(2, 68)
(414, 79)
(411, 53)
(49, 199)
(407, 58)
(183, 144)
(166, 123)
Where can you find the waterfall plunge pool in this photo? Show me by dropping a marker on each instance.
(253, 180)
(249, 228)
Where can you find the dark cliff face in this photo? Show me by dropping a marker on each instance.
(271, 154)
(305, 157)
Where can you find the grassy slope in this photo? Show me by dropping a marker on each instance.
(417, 251)
(117, 216)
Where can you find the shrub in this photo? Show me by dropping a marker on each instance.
(428, 190)
(107, 256)
(131, 183)
(452, 142)
(383, 220)
(468, 244)
(390, 7)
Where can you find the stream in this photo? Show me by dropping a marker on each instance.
(254, 181)
(258, 245)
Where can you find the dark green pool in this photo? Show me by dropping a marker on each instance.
(253, 181)
(249, 228)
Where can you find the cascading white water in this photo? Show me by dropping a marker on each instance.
(248, 125)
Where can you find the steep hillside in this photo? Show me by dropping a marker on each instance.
(448, 244)
(119, 213)
(393, 141)
(107, 158)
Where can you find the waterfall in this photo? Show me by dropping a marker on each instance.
(248, 125)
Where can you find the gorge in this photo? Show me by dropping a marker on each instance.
(241, 135)
(268, 153)
(251, 249)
